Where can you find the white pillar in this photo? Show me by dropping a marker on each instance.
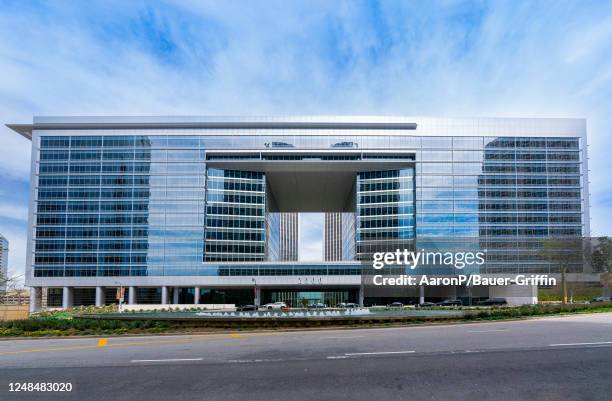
(421, 294)
(67, 298)
(164, 296)
(257, 296)
(361, 295)
(196, 295)
(132, 295)
(100, 297)
(175, 295)
(35, 299)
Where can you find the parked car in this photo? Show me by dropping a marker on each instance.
(351, 305)
(601, 299)
(279, 145)
(317, 305)
(494, 301)
(275, 305)
(245, 308)
(450, 302)
(426, 305)
(396, 305)
(345, 144)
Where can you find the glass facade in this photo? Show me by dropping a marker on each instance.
(235, 216)
(119, 206)
(111, 204)
(385, 211)
(305, 298)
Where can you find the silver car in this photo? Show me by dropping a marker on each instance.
(275, 305)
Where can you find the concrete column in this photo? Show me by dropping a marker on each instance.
(196, 295)
(164, 296)
(361, 295)
(132, 295)
(421, 294)
(453, 292)
(35, 299)
(175, 295)
(257, 296)
(67, 298)
(100, 297)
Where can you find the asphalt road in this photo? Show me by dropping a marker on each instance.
(567, 358)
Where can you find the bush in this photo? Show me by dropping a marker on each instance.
(536, 310)
(59, 327)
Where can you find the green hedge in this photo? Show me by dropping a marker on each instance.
(53, 326)
(537, 310)
(66, 327)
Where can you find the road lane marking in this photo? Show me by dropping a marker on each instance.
(25, 351)
(165, 360)
(103, 342)
(126, 344)
(350, 354)
(567, 344)
(257, 360)
(197, 339)
(380, 353)
(234, 335)
(342, 338)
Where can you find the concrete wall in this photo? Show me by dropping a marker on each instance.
(150, 307)
(14, 312)
(516, 294)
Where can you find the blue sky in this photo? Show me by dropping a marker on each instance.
(447, 58)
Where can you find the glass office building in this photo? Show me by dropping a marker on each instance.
(189, 209)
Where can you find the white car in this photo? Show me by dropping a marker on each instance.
(275, 305)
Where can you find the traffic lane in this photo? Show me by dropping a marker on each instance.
(552, 374)
(310, 344)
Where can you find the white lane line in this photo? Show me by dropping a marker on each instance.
(598, 343)
(486, 331)
(337, 357)
(253, 360)
(165, 360)
(341, 338)
(379, 353)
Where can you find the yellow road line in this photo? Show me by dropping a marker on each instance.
(103, 343)
(48, 349)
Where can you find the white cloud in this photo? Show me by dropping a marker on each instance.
(408, 58)
(311, 237)
(12, 211)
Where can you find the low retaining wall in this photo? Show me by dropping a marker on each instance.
(152, 307)
(14, 312)
(192, 320)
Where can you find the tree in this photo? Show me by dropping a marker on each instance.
(11, 283)
(561, 252)
(601, 258)
(601, 261)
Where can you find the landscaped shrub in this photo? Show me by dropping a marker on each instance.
(65, 324)
(60, 327)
